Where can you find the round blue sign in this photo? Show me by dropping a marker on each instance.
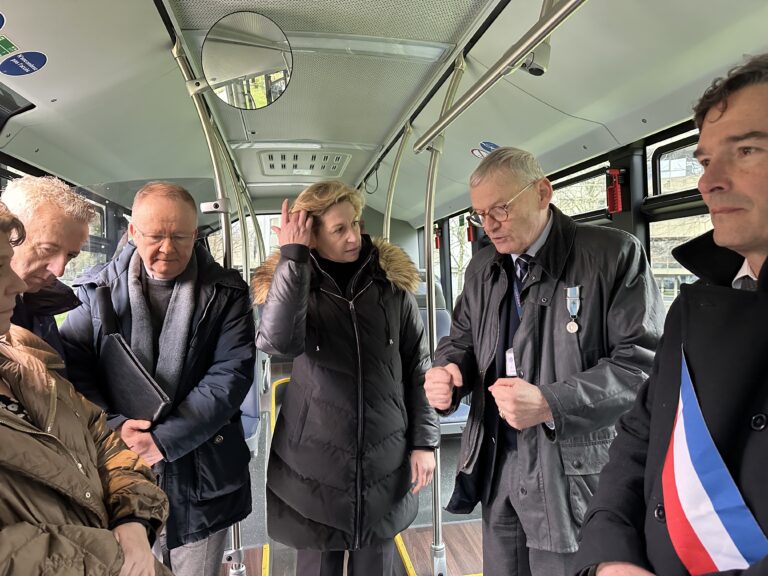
(2, 20)
(488, 146)
(23, 63)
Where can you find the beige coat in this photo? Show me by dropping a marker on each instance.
(65, 478)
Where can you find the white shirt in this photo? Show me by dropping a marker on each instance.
(744, 272)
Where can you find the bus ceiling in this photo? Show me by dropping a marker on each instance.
(112, 109)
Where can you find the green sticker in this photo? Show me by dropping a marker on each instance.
(6, 46)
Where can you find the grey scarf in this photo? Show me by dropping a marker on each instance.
(175, 332)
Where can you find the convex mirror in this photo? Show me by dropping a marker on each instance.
(247, 60)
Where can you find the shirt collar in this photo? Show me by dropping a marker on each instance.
(744, 272)
(539, 242)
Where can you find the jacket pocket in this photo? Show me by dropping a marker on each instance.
(582, 465)
(222, 463)
(301, 418)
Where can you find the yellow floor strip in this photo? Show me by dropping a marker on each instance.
(265, 560)
(403, 551)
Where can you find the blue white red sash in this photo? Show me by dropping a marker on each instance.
(710, 526)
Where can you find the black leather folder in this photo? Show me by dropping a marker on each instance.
(130, 389)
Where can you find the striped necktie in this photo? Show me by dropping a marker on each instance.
(521, 268)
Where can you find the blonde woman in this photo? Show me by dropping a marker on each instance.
(355, 438)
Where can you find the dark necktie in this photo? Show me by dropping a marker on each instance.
(748, 283)
(521, 268)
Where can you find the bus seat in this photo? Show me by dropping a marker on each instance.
(454, 423)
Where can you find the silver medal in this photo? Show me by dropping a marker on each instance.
(573, 304)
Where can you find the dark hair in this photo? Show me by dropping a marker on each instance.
(754, 71)
(11, 225)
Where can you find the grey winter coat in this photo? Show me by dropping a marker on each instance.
(589, 378)
(339, 468)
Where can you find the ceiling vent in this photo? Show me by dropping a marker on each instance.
(320, 163)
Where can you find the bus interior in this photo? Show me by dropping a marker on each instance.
(398, 99)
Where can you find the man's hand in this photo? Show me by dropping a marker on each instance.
(294, 228)
(520, 403)
(621, 569)
(422, 469)
(139, 561)
(439, 383)
(135, 434)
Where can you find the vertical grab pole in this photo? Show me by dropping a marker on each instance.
(210, 139)
(439, 564)
(393, 180)
(240, 210)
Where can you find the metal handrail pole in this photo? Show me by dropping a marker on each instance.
(240, 210)
(512, 58)
(393, 180)
(260, 249)
(210, 139)
(439, 564)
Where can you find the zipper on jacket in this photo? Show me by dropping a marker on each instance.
(485, 370)
(359, 456)
(205, 312)
(359, 459)
(45, 435)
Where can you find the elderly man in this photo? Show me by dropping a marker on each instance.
(684, 491)
(189, 322)
(56, 220)
(552, 336)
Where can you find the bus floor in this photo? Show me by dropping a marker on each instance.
(462, 534)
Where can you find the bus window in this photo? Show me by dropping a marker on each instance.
(460, 252)
(678, 169)
(665, 236)
(581, 192)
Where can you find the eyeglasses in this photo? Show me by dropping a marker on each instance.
(498, 213)
(176, 239)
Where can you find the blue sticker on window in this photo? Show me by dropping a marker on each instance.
(488, 146)
(22, 64)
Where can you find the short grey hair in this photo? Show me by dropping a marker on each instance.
(517, 163)
(25, 195)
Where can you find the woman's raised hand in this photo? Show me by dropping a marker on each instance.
(294, 228)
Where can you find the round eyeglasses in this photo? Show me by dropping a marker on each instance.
(498, 213)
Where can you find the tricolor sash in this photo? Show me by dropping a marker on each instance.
(710, 526)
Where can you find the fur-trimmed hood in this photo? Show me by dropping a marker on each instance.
(397, 266)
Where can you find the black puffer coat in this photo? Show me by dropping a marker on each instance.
(339, 468)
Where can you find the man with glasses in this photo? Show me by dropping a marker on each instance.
(552, 336)
(189, 323)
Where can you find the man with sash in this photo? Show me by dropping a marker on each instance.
(552, 337)
(685, 489)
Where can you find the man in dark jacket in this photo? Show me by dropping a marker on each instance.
(56, 220)
(696, 438)
(552, 336)
(189, 322)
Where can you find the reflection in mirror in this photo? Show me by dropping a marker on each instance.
(247, 60)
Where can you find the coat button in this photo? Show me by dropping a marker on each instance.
(523, 491)
(758, 422)
(659, 513)
(218, 439)
(519, 373)
(88, 495)
(544, 300)
(576, 464)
